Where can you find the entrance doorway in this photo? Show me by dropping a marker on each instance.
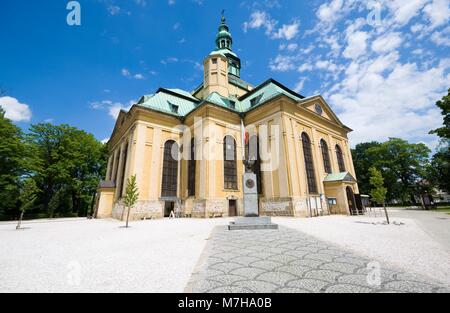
(351, 201)
(232, 209)
(169, 206)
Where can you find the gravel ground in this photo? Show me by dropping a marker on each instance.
(82, 255)
(407, 247)
(79, 255)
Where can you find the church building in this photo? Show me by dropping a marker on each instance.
(186, 149)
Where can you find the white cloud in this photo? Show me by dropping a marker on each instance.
(142, 3)
(14, 110)
(171, 2)
(169, 60)
(126, 73)
(113, 108)
(386, 43)
(261, 19)
(299, 86)
(356, 44)
(329, 12)
(282, 64)
(399, 103)
(287, 31)
(113, 9)
(441, 38)
(289, 47)
(105, 141)
(438, 12)
(326, 65)
(305, 67)
(404, 10)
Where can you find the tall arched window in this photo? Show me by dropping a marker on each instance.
(229, 163)
(325, 156)
(340, 159)
(253, 155)
(116, 167)
(191, 170)
(170, 170)
(123, 168)
(309, 164)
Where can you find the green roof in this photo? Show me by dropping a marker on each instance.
(223, 52)
(265, 92)
(343, 176)
(179, 102)
(167, 102)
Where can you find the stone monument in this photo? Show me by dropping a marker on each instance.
(251, 219)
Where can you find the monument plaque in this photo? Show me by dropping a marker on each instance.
(251, 219)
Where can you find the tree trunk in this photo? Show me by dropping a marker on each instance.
(385, 212)
(19, 223)
(128, 216)
(90, 210)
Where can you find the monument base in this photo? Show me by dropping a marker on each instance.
(251, 223)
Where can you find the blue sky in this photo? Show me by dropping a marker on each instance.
(381, 65)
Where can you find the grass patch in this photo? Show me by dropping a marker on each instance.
(443, 209)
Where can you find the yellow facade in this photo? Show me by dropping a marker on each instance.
(137, 147)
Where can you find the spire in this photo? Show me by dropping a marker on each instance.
(223, 38)
(223, 16)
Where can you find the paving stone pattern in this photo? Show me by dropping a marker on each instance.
(287, 260)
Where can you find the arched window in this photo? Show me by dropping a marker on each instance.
(191, 170)
(309, 164)
(340, 159)
(123, 168)
(229, 163)
(116, 167)
(253, 155)
(170, 170)
(325, 156)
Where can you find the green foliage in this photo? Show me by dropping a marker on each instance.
(378, 191)
(28, 194)
(131, 192)
(12, 164)
(439, 169)
(403, 166)
(362, 161)
(64, 162)
(444, 105)
(131, 195)
(69, 164)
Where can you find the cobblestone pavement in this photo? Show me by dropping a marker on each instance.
(286, 260)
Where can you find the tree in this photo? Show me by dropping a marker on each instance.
(27, 197)
(440, 162)
(362, 161)
(403, 166)
(444, 105)
(70, 162)
(12, 164)
(131, 195)
(378, 191)
(439, 170)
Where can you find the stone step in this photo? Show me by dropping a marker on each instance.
(249, 223)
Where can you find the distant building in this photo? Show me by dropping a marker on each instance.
(186, 149)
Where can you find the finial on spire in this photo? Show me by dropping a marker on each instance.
(223, 15)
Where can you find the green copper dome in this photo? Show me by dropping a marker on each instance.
(224, 40)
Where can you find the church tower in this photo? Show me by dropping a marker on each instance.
(221, 63)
